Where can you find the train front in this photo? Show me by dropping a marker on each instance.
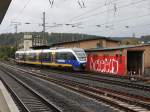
(81, 57)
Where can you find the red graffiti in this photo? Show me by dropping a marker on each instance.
(109, 64)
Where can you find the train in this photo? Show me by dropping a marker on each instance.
(69, 58)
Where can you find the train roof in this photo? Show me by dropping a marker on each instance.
(52, 49)
(28, 51)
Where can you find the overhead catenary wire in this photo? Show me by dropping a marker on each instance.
(87, 18)
(106, 11)
(89, 11)
(23, 8)
(96, 24)
(123, 28)
(122, 20)
(5, 28)
(109, 28)
(56, 25)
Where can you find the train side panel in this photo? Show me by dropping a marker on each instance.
(55, 58)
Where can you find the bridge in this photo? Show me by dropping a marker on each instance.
(3, 8)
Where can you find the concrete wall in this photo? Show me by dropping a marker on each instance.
(6, 102)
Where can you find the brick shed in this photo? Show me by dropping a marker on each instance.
(122, 60)
(94, 42)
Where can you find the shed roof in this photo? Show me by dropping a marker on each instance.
(88, 39)
(116, 48)
(4, 4)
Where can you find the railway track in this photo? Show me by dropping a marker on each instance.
(105, 80)
(26, 98)
(108, 80)
(123, 101)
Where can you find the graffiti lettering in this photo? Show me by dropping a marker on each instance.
(104, 65)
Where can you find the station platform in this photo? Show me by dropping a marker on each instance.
(6, 102)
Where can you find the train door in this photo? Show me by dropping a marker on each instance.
(53, 57)
(40, 57)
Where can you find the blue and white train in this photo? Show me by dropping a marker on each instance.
(74, 58)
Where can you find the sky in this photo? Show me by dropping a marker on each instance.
(110, 18)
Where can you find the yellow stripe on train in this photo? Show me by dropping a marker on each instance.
(46, 64)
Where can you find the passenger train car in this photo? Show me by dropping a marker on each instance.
(74, 58)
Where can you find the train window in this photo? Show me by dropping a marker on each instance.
(40, 56)
(25, 56)
(47, 56)
(65, 56)
(61, 55)
(37, 56)
(21, 56)
(17, 55)
(80, 54)
(58, 55)
(28, 55)
(70, 56)
(31, 56)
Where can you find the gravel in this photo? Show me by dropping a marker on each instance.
(67, 100)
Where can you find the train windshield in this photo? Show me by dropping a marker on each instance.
(81, 55)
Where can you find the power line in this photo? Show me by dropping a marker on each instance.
(129, 28)
(6, 28)
(89, 11)
(126, 19)
(21, 11)
(99, 13)
(93, 15)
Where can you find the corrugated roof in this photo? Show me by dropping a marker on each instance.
(4, 4)
(116, 48)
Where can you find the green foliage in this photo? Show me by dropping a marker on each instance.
(9, 39)
(66, 37)
(146, 39)
(7, 52)
(130, 41)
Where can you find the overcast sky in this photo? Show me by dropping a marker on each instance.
(98, 17)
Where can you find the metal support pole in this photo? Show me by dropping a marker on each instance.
(44, 39)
